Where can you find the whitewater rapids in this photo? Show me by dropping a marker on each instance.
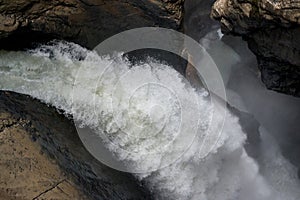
(64, 75)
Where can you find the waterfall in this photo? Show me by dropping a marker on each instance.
(139, 123)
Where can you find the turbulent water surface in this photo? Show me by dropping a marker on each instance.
(137, 121)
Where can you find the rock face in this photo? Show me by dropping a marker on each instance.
(197, 20)
(86, 22)
(272, 30)
(30, 132)
(26, 173)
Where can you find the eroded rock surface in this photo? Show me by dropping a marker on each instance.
(26, 173)
(272, 30)
(30, 132)
(86, 22)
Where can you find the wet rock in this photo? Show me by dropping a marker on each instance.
(272, 30)
(26, 173)
(86, 22)
(42, 156)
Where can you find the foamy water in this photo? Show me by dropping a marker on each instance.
(138, 111)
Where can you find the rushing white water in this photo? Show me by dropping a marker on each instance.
(64, 75)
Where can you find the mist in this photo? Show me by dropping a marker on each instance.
(277, 114)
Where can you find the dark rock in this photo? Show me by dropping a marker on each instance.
(250, 126)
(27, 23)
(272, 30)
(86, 22)
(197, 21)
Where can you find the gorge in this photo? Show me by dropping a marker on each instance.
(257, 155)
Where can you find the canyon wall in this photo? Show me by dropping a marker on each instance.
(272, 30)
(44, 158)
(86, 22)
